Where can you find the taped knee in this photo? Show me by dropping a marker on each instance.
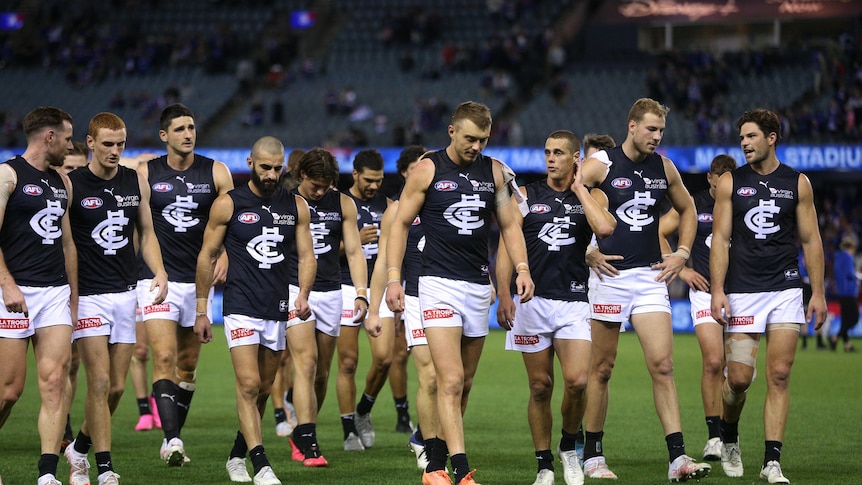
(742, 351)
(730, 397)
(186, 379)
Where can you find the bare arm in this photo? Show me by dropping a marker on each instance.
(377, 288)
(355, 257)
(505, 268)
(214, 235)
(70, 255)
(149, 243)
(12, 296)
(667, 225)
(684, 205)
(224, 183)
(411, 201)
(306, 262)
(812, 250)
(513, 236)
(722, 225)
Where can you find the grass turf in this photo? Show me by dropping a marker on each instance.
(822, 427)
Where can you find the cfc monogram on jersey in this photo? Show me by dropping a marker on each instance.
(763, 254)
(458, 205)
(325, 225)
(634, 190)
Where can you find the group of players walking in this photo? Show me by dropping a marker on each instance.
(303, 268)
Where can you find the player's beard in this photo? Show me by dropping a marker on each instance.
(266, 188)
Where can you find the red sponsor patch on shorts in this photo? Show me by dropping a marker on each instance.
(418, 333)
(526, 339)
(741, 321)
(346, 313)
(83, 323)
(607, 308)
(14, 323)
(162, 307)
(435, 313)
(703, 313)
(238, 333)
(291, 315)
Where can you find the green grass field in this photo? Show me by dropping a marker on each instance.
(822, 432)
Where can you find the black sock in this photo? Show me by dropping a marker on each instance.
(436, 451)
(48, 464)
(103, 462)
(580, 434)
(402, 407)
(568, 441)
(675, 446)
(366, 402)
(772, 453)
(714, 426)
(240, 448)
(305, 438)
(165, 392)
(729, 431)
(593, 445)
(184, 402)
(82, 443)
(460, 467)
(288, 396)
(348, 425)
(280, 415)
(545, 460)
(418, 434)
(144, 406)
(258, 458)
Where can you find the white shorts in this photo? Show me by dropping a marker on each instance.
(454, 303)
(179, 306)
(244, 330)
(384, 310)
(47, 306)
(631, 292)
(540, 321)
(107, 314)
(348, 303)
(753, 312)
(325, 310)
(414, 332)
(701, 307)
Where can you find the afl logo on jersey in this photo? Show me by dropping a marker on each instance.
(91, 203)
(621, 183)
(445, 186)
(416, 221)
(540, 208)
(248, 218)
(705, 217)
(163, 187)
(31, 189)
(746, 191)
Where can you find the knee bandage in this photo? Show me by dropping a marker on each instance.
(187, 378)
(742, 351)
(783, 326)
(732, 398)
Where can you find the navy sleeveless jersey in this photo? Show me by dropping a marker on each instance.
(635, 191)
(557, 235)
(703, 204)
(763, 251)
(103, 214)
(325, 225)
(456, 216)
(180, 202)
(412, 263)
(31, 236)
(260, 237)
(369, 212)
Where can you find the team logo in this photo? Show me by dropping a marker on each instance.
(759, 219)
(746, 191)
(319, 232)
(179, 213)
(248, 218)
(91, 203)
(416, 221)
(555, 234)
(445, 186)
(163, 187)
(465, 214)
(108, 234)
(621, 183)
(31, 189)
(705, 217)
(45, 223)
(264, 248)
(635, 212)
(540, 208)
